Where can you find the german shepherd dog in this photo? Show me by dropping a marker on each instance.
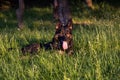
(62, 39)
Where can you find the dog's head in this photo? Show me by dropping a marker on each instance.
(64, 34)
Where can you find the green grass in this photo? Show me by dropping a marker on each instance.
(96, 47)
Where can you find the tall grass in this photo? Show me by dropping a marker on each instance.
(96, 48)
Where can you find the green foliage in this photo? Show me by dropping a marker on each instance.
(96, 46)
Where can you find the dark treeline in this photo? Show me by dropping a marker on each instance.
(44, 3)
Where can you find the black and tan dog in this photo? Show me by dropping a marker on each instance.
(62, 40)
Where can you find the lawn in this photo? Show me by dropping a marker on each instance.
(96, 46)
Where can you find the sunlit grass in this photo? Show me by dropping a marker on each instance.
(96, 48)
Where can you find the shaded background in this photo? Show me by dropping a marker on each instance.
(8, 4)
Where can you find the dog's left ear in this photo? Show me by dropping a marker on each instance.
(70, 25)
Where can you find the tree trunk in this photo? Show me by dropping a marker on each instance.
(19, 13)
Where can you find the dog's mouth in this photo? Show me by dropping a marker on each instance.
(63, 42)
(65, 45)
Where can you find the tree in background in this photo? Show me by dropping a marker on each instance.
(19, 13)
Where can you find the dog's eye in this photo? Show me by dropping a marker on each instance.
(57, 27)
(70, 27)
(68, 35)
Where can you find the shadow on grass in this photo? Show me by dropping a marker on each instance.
(7, 19)
(32, 17)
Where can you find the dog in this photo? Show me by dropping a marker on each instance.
(62, 39)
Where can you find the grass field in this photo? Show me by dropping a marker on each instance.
(96, 46)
